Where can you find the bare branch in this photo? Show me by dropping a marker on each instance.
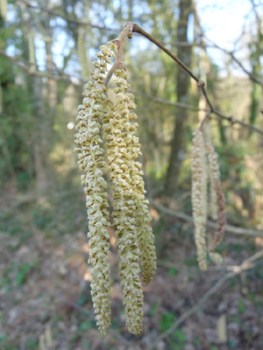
(25, 65)
(212, 45)
(68, 20)
(230, 119)
(252, 77)
(119, 41)
(210, 224)
(246, 265)
(135, 28)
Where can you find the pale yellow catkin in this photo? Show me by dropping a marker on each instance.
(213, 205)
(141, 215)
(91, 161)
(135, 240)
(116, 133)
(199, 197)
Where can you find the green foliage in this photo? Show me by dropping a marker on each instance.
(32, 344)
(22, 274)
(85, 325)
(166, 321)
(153, 309)
(3, 338)
(214, 347)
(42, 218)
(173, 271)
(232, 343)
(83, 298)
(241, 306)
(180, 336)
(190, 261)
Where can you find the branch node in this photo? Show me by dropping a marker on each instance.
(200, 84)
(121, 66)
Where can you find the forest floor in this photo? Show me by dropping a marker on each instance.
(45, 301)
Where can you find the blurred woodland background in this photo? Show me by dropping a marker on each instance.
(46, 50)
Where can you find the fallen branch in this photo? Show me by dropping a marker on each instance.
(210, 224)
(246, 265)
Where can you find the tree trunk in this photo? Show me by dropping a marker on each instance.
(182, 84)
(45, 119)
(41, 142)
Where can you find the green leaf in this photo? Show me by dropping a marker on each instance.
(167, 321)
(153, 309)
(173, 271)
(180, 336)
(85, 326)
(21, 275)
(3, 338)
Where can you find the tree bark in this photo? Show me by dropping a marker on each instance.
(45, 113)
(41, 142)
(182, 85)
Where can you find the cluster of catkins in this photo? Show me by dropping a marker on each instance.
(102, 121)
(200, 172)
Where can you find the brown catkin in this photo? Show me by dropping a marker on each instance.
(215, 174)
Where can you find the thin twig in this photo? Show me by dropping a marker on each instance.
(74, 306)
(119, 41)
(210, 224)
(246, 265)
(200, 84)
(139, 30)
(212, 45)
(25, 65)
(230, 119)
(239, 63)
(67, 19)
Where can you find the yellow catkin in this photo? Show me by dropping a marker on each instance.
(141, 215)
(117, 135)
(91, 161)
(199, 197)
(213, 205)
(216, 258)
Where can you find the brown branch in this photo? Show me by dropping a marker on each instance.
(25, 65)
(166, 102)
(252, 77)
(230, 119)
(119, 41)
(212, 45)
(65, 77)
(68, 20)
(139, 30)
(200, 84)
(210, 224)
(246, 265)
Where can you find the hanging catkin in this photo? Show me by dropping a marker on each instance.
(215, 174)
(135, 240)
(116, 133)
(213, 204)
(199, 197)
(91, 161)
